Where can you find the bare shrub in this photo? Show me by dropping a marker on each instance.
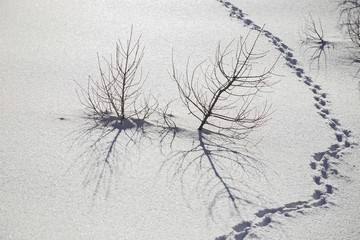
(118, 90)
(312, 37)
(353, 27)
(220, 92)
(313, 32)
(350, 13)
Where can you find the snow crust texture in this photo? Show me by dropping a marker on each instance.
(64, 175)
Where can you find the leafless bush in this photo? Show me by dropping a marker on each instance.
(313, 32)
(353, 27)
(312, 36)
(350, 12)
(221, 94)
(118, 90)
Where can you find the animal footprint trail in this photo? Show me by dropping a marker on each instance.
(323, 163)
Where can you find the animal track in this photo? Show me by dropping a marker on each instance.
(339, 137)
(318, 156)
(317, 106)
(266, 221)
(329, 188)
(313, 165)
(317, 194)
(322, 164)
(325, 111)
(317, 180)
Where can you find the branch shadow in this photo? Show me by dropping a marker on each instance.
(109, 146)
(319, 53)
(213, 163)
(218, 164)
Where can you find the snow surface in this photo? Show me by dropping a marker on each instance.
(300, 181)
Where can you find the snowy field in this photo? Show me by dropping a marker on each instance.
(66, 176)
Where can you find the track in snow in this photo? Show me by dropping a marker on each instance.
(323, 162)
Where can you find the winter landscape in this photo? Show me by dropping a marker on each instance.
(236, 119)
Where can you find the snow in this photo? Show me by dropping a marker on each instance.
(55, 185)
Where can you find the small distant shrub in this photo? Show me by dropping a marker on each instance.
(313, 38)
(350, 12)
